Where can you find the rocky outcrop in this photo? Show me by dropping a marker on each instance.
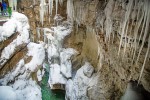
(19, 60)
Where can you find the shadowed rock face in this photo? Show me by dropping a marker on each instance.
(135, 91)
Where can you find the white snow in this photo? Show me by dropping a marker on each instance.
(7, 93)
(55, 77)
(24, 87)
(69, 88)
(17, 23)
(40, 74)
(27, 90)
(52, 51)
(11, 76)
(38, 55)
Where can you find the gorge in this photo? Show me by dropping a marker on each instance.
(75, 50)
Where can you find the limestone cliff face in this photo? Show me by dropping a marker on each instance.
(95, 21)
(98, 25)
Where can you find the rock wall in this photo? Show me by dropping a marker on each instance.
(101, 49)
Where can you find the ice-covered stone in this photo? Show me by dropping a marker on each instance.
(80, 84)
(7, 93)
(88, 69)
(55, 76)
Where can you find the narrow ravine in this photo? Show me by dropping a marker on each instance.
(48, 94)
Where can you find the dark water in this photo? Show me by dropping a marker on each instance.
(48, 94)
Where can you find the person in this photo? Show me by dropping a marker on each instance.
(4, 5)
(1, 8)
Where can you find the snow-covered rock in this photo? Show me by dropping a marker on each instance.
(20, 77)
(76, 89)
(7, 93)
(38, 55)
(55, 76)
(58, 57)
(66, 66)
(88, 69)
(40, 74)
(17, 23)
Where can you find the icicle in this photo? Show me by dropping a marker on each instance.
(44, 35)
(50, 7)
(42, 11)
(38, 32)
(146, 28)
(32, 36)
(61, 2)
(108, 12)
(144, 60)
(70, 9)
(125, 42)
(138, 24)
(56, 2)
(129, 8)
(15, 5)
(143, 26)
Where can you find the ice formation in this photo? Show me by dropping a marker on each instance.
(137, 14)
(18, 23)
(129, 9)
(66, 66)
(56, 2)
(50, 6)
(77, 88)
(108, 11)
(70, 10)
(55, 76)
(38, 56)
(42, 10)
(24, 87)
(13, 4)
(58, 57)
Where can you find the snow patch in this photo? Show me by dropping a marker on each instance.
(38, 55)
